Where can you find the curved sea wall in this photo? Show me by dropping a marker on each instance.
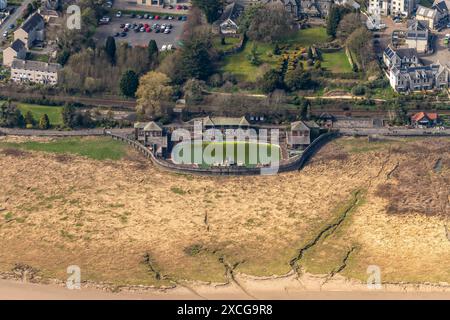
(291, 164)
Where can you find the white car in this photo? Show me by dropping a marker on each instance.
(5, 34)
(164, 47)
(169, 47)
(119, 14)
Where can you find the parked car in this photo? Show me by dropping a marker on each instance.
(151, 17)
(105, 20)
(123, 34)
(170, 17)
(448, 25)
(183, 18)
(164, 47)
(146, 16)
(167, 31)
(116, 34)
(157, 30)
(5, 34)
(157, 17)
(125, 29)
(142, 29)
(148, 30)
(119, 14)
(179, 7)
(11, 26)
(139, 16)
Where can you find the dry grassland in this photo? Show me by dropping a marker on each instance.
(125, 222)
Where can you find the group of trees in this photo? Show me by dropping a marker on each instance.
(298, 79)
(335, 14)
(267, 23)
(112, 69)
(11, 116)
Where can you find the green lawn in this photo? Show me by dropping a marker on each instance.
(54, 113)
(336, 62)
(239, 64)
(308, 37)
(230, 42)
(100, 148)
(248, 153)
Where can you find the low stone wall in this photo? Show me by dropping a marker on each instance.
(294, 163)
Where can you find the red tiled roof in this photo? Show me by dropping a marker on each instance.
(420, 115)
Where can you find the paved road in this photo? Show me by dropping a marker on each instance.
(14, 16)
(432, 132)
(56, 133)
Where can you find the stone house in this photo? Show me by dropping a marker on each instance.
(34, 72)
(400, 58)
(417, 36)
(227, 23)
(16, 50)
(31, 31)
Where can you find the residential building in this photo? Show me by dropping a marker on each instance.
(34, 71)
(400, 58)
(152, 135)
(161, 3)
(392, 7)
(298, 8)
(227, 23)
(15, 50)
(418, 78)
(299, 135)
(436, 16)
(428, 15)
(425, 119)
(31, 31)
(417, 36)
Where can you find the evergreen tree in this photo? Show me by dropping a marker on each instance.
(211, 8)
(152, 50)
(69, 115)
(110, 48)
(195, 60)
(44, 122)
(29, 119)
(271, 81)
(333, 21)
(129, 83)
(277, 50)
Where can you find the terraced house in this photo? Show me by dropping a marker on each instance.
(34, 72)
(297, 8)
(406, 72)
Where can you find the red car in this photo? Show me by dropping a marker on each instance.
(145, 25)
(179, 7)
(148, 30)
(157, 17)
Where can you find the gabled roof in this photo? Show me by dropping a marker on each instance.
(18, 45)
(32, 22)
(152, 126)
(225, 121)
(441, 6)
(140, 125)
(426, 12)
(35, 65)
(231, 12)
(420, 115)
(299, 125)
(437, 2)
